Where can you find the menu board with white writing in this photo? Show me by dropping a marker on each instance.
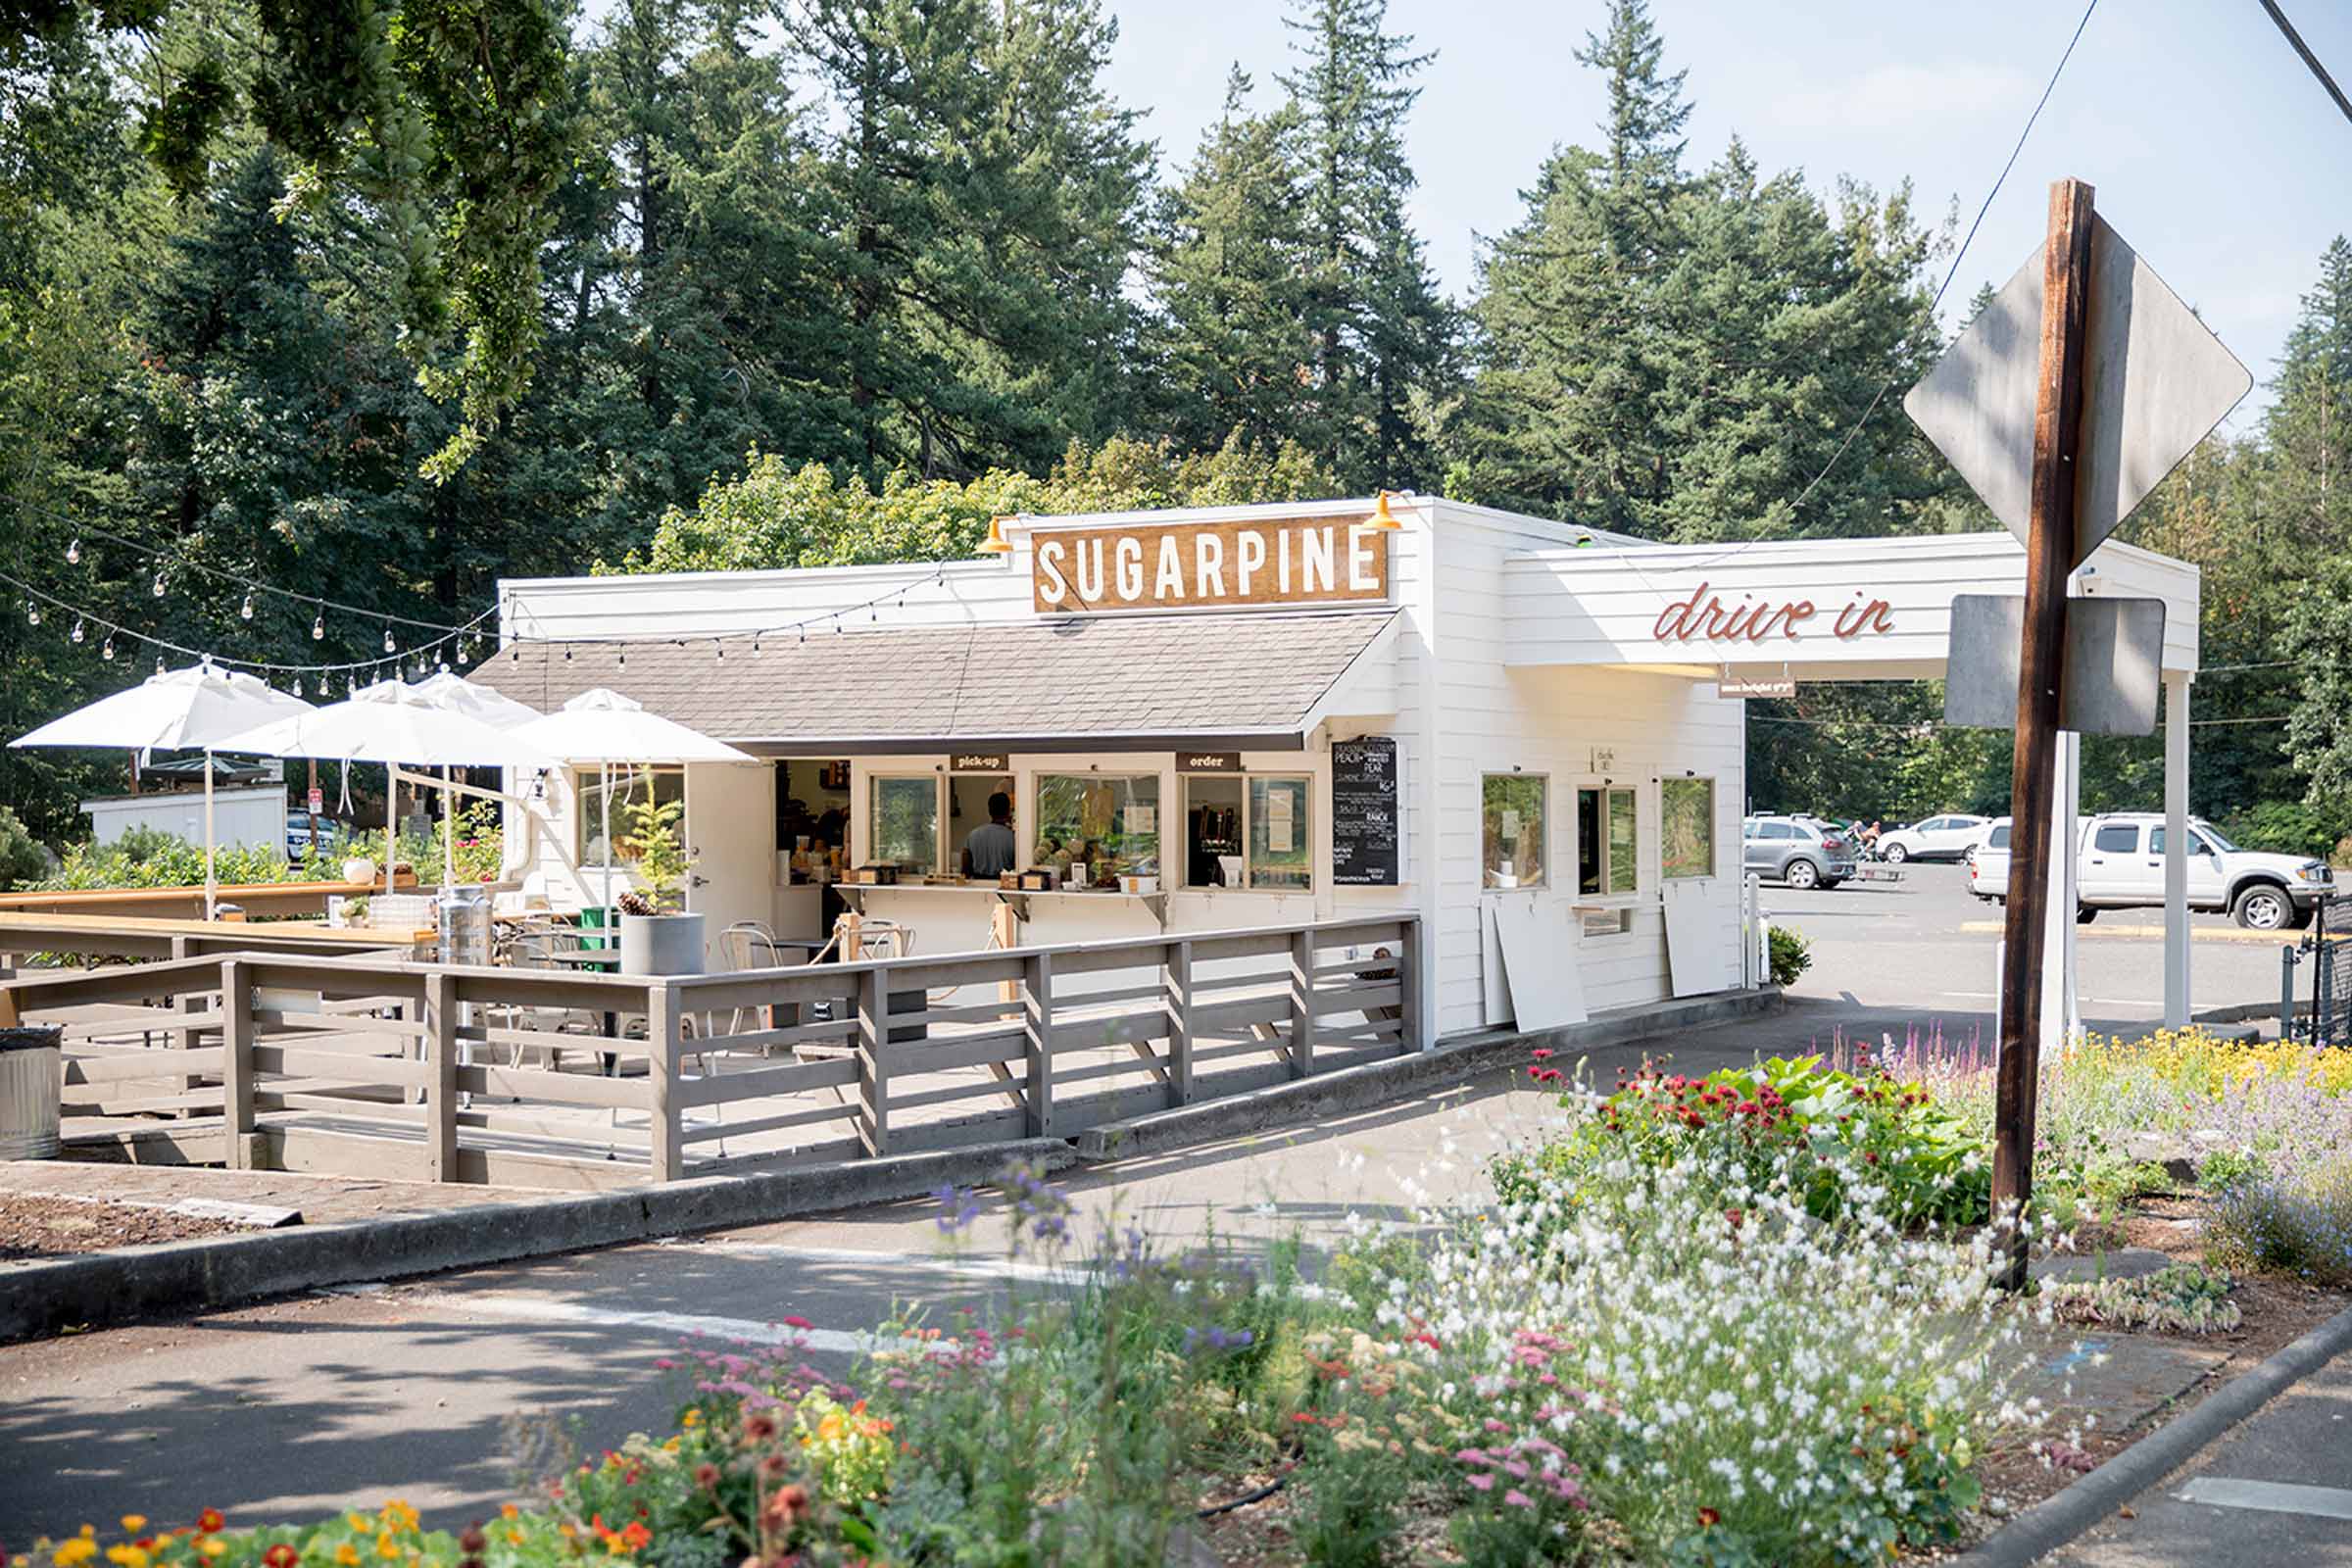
(1363, 811)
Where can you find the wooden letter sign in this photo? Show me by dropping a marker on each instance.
(1183, 565)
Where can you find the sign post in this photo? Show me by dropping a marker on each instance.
(2049, 558)
(2121, 381)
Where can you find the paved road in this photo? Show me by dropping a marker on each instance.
(2275, 1491)
(1888, 955)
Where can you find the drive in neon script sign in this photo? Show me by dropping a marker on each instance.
(1703, 616)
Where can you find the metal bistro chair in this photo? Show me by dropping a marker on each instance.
(534, 951)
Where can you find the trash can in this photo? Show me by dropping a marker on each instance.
(31, 1081)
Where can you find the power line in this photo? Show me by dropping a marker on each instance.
(1916, 725)
(1950, 273)
(2295, 39)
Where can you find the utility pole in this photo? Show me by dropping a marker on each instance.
(2034, 833)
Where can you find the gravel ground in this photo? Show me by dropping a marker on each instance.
(36, 1226)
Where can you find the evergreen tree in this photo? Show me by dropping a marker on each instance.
(1228, 280)
(1379, 331)
(2308, 429)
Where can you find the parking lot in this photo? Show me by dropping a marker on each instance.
(1887, 956)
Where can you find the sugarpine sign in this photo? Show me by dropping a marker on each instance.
(1186, 566)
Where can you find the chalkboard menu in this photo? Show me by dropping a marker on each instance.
(1363, 811)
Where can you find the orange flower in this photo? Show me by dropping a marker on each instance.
(347, 1555)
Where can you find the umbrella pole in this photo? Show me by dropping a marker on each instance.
(449, 827)
(211, 886)
(605, 802)
(391, 821)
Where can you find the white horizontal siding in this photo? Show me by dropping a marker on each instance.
(1494, 718)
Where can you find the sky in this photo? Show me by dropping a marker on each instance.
(2212, 150)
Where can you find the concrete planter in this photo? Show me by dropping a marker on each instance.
(662, 944)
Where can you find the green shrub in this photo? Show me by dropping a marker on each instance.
(1793, 1119)
(2297, 1222)
(1792, 955)
(2286, 827)
(21, 859)
(2180, 1300)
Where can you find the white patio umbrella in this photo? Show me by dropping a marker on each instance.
(493, 707)
(393, 723)
(182, 709)
(604, 727)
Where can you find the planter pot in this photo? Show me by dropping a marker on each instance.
(32, 1079)
(662, 944)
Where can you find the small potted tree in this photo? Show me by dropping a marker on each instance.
(655, 936)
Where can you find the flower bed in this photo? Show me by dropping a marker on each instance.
(1655, 1360)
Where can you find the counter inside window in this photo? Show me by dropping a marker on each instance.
(1095, 828)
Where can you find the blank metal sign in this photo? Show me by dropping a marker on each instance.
(2114, 651)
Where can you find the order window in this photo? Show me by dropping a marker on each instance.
(1108, 822)
(1248, 833)
(1608, 841)
(1512, 829)
(905, 827)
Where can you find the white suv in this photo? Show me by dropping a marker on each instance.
(2122, 867)
(1938, 837)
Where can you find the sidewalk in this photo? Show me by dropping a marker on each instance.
(2277, 1491)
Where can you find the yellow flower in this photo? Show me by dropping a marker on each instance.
(133, 1523)
(357, 1521)
(211, 1546)
(399, 1515)
(74, 1553)
(514, 1535)
(127, 1557)
(387, 1545)
(692, 1418)
(348, 1555)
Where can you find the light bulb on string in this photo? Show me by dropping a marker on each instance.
(298, 685)
(32, 613)
(77, 633)
(625, 659)
(719, 649)
(106, 653)
(755, 648)
(390, 647)
(159, 583)
(319, 626)
(159, 664)
(73, 551)
(245, 611)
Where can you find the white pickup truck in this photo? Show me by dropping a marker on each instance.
(2122, 867)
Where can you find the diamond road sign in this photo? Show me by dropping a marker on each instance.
(2155, 384)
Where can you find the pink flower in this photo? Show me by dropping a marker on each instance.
(1518, 1499)
(1482, 1480)
(798, 1323)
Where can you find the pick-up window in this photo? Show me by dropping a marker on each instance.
(2117, 838)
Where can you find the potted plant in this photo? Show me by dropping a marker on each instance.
(655, 937)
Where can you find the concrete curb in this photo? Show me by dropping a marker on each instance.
(2153, 933)
(177, 1277)
(1377, 1083)
(2056, 1521)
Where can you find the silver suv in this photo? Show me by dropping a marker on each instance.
(1800, 852)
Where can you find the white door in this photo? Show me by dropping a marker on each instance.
(731, 836)
(2112, 866)
(2204, 867)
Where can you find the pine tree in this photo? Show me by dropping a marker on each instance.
(1228, 280)
(2308, 429)
(1380, 331)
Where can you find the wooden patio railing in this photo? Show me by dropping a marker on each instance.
(541, 1078)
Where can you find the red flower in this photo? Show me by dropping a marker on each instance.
(1708, 1517)
(1542, 1054)
(798, 1323)
(210, 1522)
(280, 1556)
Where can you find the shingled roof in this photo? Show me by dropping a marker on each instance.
(1249, 679)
